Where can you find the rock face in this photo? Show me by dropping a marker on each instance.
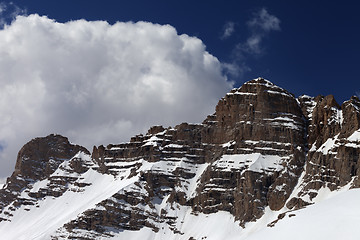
(36, 161)
(333, 158)
(261, 149)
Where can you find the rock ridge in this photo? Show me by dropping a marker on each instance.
(262, 148)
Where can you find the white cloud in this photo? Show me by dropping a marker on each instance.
(264, 21)
(260, 26)
(235, 70)
(228, 30)
(98, 83)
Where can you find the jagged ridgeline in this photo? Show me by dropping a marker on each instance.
(262, 151)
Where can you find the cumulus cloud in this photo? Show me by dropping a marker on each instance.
(99, 83)
(228, 30)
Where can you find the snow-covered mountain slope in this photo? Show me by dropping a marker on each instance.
(262, 165)
(334, 216)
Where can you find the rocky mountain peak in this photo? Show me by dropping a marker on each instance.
(260, 86)
(37, 160)
(256, 111)
(260, 157)
(40, 157)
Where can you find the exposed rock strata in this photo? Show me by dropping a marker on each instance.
(36, 161)
(261, 148)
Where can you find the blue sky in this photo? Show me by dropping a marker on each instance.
(316, 51)
(103, 82)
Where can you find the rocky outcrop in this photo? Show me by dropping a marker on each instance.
(262, 118)
(333, 159)
(36, 161)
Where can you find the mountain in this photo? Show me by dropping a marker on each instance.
(265, 165)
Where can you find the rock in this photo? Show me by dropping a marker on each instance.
(261, 146)
(36, 161)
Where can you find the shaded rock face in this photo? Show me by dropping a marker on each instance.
(261, 148)
(40, 157)
(333, 158)
(36, 161)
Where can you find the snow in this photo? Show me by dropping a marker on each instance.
(335, 214)
(354, 140)
(336, 117)
(228, 144)
(255, 162)
(52, 213)
(355, 137)
(331, 219)
(241, 93)
(328, 145)
(285, 121)
(116, 148)
(352, 145)
(153, 141)
(195, 180)
(311, 104)
(313, 147)
(356, 107)
(220, 225)
(340, 117)
(174, 146)
(279, 93)
(305, 96)
(266, 142)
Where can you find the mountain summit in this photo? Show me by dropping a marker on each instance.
(261, 160)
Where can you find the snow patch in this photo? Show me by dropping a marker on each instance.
(355, 137)
(255, 162)
(328, 145)
(228, 144)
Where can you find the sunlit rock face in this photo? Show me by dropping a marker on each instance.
(261, 149)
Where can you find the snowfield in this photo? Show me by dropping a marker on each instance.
(331, 219)
(335, 215)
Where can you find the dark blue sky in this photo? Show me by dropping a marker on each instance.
(316, 52)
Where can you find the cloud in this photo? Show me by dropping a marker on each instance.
(99, 83)
(228, 30)
(263, 21)
(260, 26)
(2, 7)
(8, 12)
(235, 69)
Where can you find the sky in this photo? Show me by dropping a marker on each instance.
(100, 72)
